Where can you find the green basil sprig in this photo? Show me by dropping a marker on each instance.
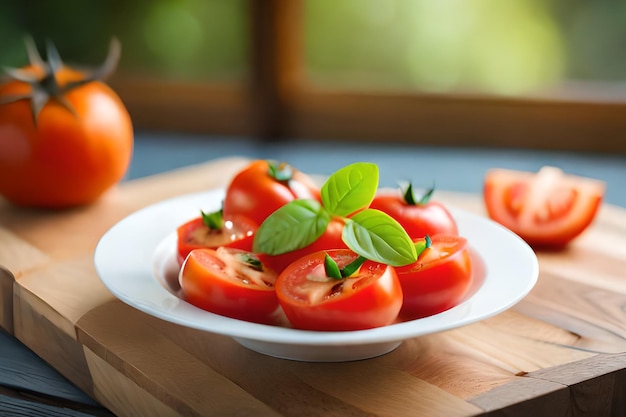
(345, 195)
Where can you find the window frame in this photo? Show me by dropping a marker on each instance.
(278, 102)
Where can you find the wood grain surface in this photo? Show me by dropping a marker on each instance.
(560, 351)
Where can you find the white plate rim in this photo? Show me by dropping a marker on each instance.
(129, 276)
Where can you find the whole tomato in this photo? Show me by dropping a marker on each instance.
(65, 137)
(419, 218)
(263, 186)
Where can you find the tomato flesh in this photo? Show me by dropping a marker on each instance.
(312, 301)
(546, 209)
(195, 234)
(222, 282)
(438, 280)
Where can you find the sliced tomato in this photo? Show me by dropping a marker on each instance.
(438, 280)
(230, 282)
(547, 209)
(311, 300)
(419, 218)
(236, 232)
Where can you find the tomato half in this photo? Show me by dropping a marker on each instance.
(546, 209)
(439, 278)
(330, 239)
(68, 157)
(258, 190)
(196, 234)
(418, 218)
(229, 282)
(312, 301)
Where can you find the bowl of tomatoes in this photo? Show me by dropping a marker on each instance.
(314, 273)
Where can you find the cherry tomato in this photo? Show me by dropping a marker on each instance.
(263, 186)
(419, 218)
(439, 278)
(547, 209)
(311, 300)
(229, 282)
(73, 153)
(330, 239)
(237, 232)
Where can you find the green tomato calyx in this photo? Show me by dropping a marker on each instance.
(47, 88)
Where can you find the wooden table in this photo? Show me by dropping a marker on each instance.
(559, 352)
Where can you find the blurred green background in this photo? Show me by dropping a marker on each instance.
(499, 47)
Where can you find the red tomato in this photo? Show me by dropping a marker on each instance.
(69, 156)
(230, 282)
(195, 234)
(547, 209)
(256, 191)
(439, 278)
(419, 218)
(330, 239)
(312, 301)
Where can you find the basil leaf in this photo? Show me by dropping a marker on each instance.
(293, 226)
(350, 189)
(378, 237)
(331, 268)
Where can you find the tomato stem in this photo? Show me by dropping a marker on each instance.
(411, 200)
(280, 171)
(214, 221)
(422, 245)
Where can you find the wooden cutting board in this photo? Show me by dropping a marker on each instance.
(561, 351)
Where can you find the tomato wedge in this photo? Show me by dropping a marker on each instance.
(230, 282)
(439, 278)
(547, 209)
(236, 232)
(372, 297)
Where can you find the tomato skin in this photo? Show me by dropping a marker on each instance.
(330, 239)
(438, 280)
(207, 281)
(547, 209)
(418, 220)
(237, 232)
(371, 299)
(254, 193)
(66, 159)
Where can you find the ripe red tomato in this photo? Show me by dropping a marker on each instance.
(330, 239)
(312, 301)
(196, 234)
(67, 158)
(546, 209)
(263, 187)
(439, 278)
(419, 218)
(229, 282)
